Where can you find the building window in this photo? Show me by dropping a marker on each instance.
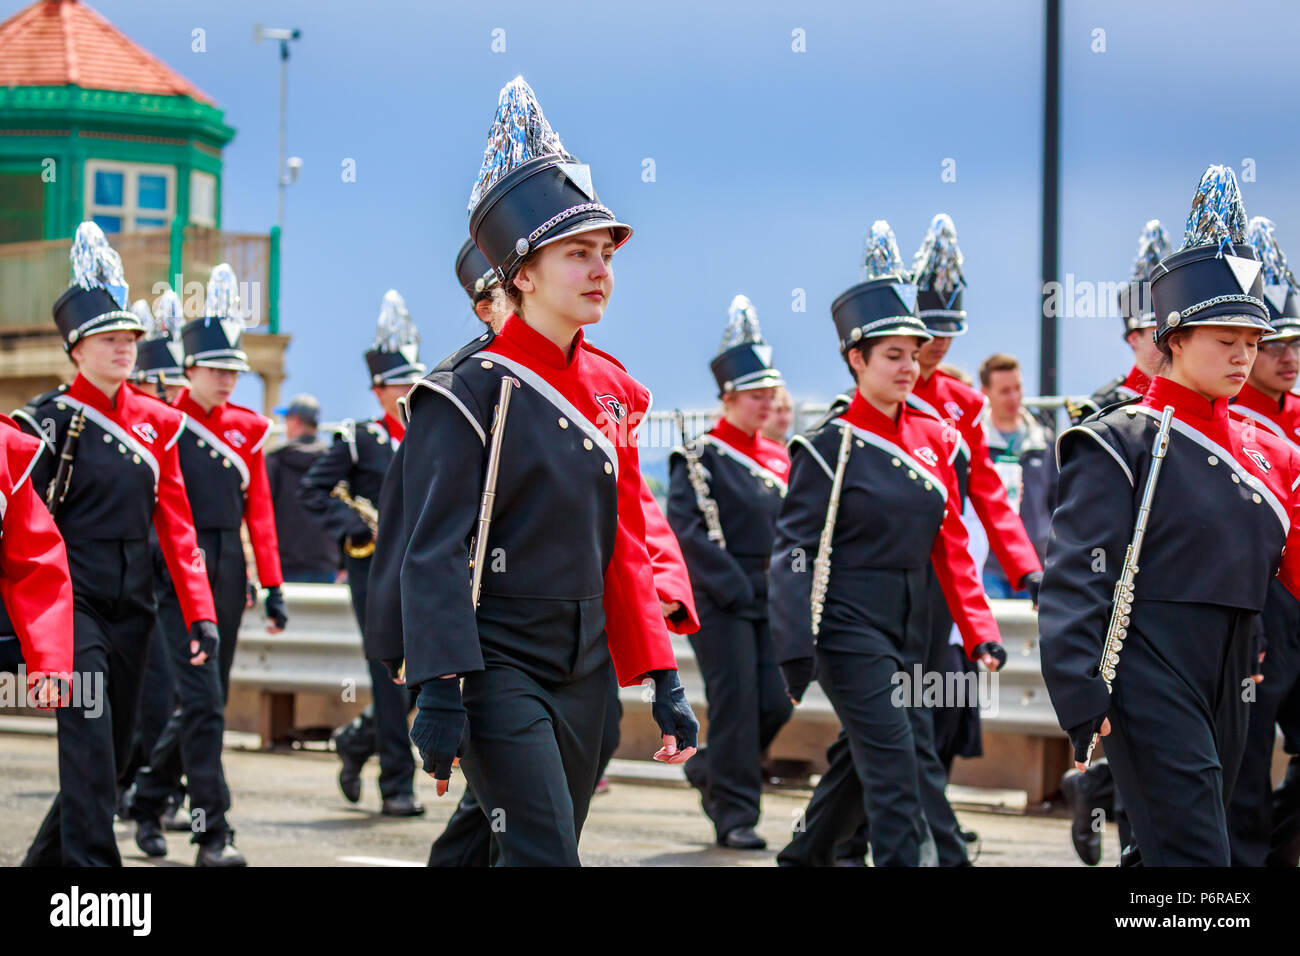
(130, 197)
(203, 199)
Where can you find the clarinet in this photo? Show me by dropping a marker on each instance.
(58, 489)
(1117, 631)
(822, 563)
(695, 471)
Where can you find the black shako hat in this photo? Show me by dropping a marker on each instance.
(885, 302)
(936, 271)
(160, 353)
(96, 299)
(476, 277)
(1136, 307)
(214, 341)
(394, 358)
(1215, 278)
(1279, 282)
(744, 360)
(530, 190)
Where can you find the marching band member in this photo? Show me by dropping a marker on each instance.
(876, 488)
(725, 490)
(222, 460)
(1223, 519)
(355, 467)
(1266, 401)
(565, 586)
(125, 477)
(1137, 311)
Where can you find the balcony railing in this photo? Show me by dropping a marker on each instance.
(34, 274)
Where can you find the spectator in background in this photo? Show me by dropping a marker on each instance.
(777, 426)
(307, 553)
(1022, 449)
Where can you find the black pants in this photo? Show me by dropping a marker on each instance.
(747, 707)
(112, 586)
(157, 701)
(1178, 728)
(192, 739)
(956, 726)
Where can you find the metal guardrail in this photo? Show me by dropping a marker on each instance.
(320, 653)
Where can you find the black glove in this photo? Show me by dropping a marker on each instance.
(439, 726)
(798, 674)
(994, 648)
(672, 712)
(1031, 582)
(394, 668)
(275, 608)
(1081, 736)
(251, 599)
(205, 632)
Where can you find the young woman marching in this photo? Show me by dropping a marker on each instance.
(871, 503)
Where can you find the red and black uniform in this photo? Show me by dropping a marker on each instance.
(34, 582)
(898, 516)
(1256, 817)
(125, 480)
(1225, 519)
(221, 458)
(1123, 389)
(962, 408)
(568, 587)
(746, 476)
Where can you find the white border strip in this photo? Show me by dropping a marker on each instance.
(1264, 420)
(116, 430)
(815, 453)
(1100, 441)
(884, 444)
(755, 469)
(443, 390)
(30, 465)
(40, 432)
(222, 449)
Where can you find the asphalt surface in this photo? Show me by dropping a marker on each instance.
(288, 811)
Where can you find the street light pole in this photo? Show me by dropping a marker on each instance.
(1047, 340)
(286, 170)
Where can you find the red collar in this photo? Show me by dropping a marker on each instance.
(1252, 398)
(532, 343)
(865, 415)
(84, 392)
(186, 403)
(1190, 406)
(395, 428)
(1137, 380)
(737, 439)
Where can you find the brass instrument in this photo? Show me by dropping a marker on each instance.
(1117, 631)
(822, 563)
(695, 472)
(369, 514)
(479, 549)
(58, 489)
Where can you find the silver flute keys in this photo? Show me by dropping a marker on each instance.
(479, 553)
(822, 563)
(1122, 606)
(695, 472)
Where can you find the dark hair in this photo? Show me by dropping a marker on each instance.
(997, 362)
(863, 347)
(1166, 344)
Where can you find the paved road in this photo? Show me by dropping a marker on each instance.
(288, 812)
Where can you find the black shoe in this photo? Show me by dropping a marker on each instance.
(743, 838)
(175, 818)
(350, 777)
(149, 838)
(970, 836)
(402, 805)
(1086, 840)
(354, 743)
(220, 853)
(850, 861)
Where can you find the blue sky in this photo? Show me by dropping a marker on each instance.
(769, 164)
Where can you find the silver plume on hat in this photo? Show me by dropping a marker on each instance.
(167, 317)
(519, 133)
(395, 328)
(223, 294)
(881, 257)
(742, 325)
(1153, 245)
(142, 312)
(96, 264)
(1218, 216)
(1262, 238)
(937, 264)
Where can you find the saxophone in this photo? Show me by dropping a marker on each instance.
(1117, 630)
(369, 514)
(822, 563)
(695, 471)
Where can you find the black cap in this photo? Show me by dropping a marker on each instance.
(1202, 285)
(744, 361)
(878, 307)
(80, 312)
(160, 356)
(394, 358)
(212, 342)
(476, 277)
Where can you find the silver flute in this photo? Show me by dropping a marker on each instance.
(822, 563)
(490, 488)
(1122, 604)
(695, 471)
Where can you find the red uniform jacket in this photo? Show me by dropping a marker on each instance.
(960, 407)
(671, 579)
(1280, 418)
(238, 433)
(34, 582)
